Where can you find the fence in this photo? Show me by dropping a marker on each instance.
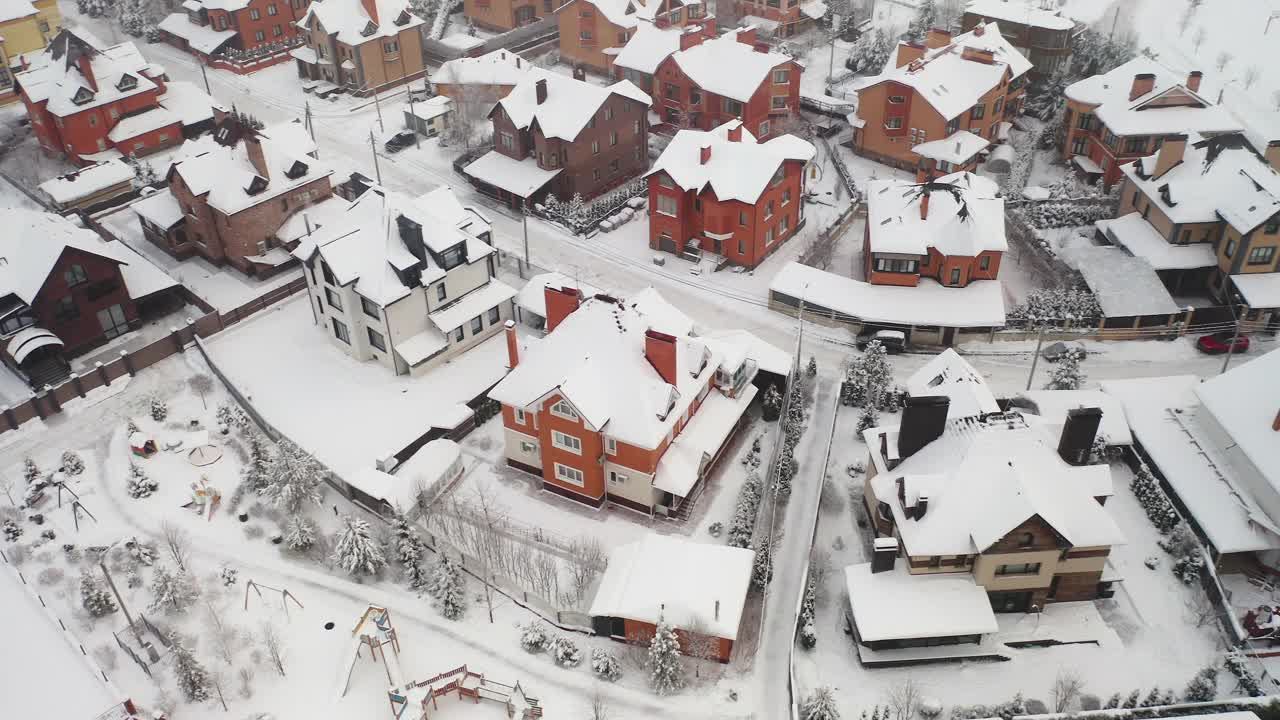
(845, 176)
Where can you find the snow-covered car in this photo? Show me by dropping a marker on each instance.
(399, 141)
(894, 341)
(1053, 352)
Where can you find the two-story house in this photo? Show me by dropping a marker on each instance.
(649, 44)
(1042, 36)
(734, 76)
(1205, 212)
(975, 83)
(408, 283)
(209, 26)
(554, 134)
(950, 229)
(362, 46)
(620, 402)
(1120, 116)
(92, 102)
(723, 194)
(230, 192)
(592, 31)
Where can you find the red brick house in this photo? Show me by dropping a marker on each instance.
(93, 103)
(210, 26)
(732, 76)
(592, 31)
(779, 18)
(950, 229)
(725, 194)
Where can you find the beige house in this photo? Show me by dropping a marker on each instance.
(360, 45)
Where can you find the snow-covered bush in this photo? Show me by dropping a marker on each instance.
(762, 567)
(1153, 500)
(448, 587)
(228, 575)
(821, 705)
(30, 472)
(771, 406)
(564, 651)
(808, 608)
(533, 637)
(232, 416)
(293, 478)
(172, 591)
(666, 671)
(930, 707)
(744, 514)
(1203, 687)
(139, 485)
(715, 529)
(159, 409)
(142, 553)
(1184, 546)
(1056, 306)
(152, 33)
(580, 216)
(299, 533)
(812, 368)
(1237, 664)
(605, 665)
(1057, 214)
(50, 576)
(1006, 710)
(1066, 373)
(193, 679)
(12, 530)
(95, 598)
(356, 550)
(72, 463)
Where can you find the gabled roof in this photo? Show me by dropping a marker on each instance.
(629, 13)
(569, 106)
(957, 148)
(1169, 107)
(727, 67)
(965, 216)
(55, 74)
(737, 170)
(32, 243)
(1245, 401)
(498, 67)
(1020, 12)
(350, 22)
(950, 375)
(87, 181)
(649, 46)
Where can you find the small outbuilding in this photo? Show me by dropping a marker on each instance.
(425, 473)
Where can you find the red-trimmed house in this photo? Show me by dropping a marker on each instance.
(950, 229)
(723, 193)
(733, 76)
(93, 103)
(210, 26)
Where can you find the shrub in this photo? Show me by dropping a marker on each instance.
(533, 637)
(564, 651)
(605, 665)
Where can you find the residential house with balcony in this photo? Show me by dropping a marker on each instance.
(778, 18)
(734, 76)
(1120, 116)
(1042, 36)
(360, 45)
(621, 402)
(554, 134)
(950, 230)
(1205, 213)
(974, 83)
(27, 27)
(593, 31)
(725, 196)
(237, 26)
(408, 283)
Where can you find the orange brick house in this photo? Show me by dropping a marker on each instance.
(724, 194)
(733, 76)
(360, 45)
(779, 18)
(950, 229)
(503, 15)
(210, 26)
(91, 102)
(1118, 117)
(975, 82)
(593, 31)
(620, 402)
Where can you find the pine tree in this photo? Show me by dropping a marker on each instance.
(94, 597)
(821, 705)
(449, 588)
(926, 18)
(762, 566)
(192, 677)
(1152, 699)
(772, 404)
(812, 368)
(257, 472)
(1113, 702)
(159, 409)
(293, 477)
(869, 418)
(172, 592)
(744, 515)
(357, 551)
(299, 533)
(666, 672)
(1045, 98)
(30, 472)
(72, 463)
(1203, 686)
(1066, 373)
(139, 485)
(409, 551)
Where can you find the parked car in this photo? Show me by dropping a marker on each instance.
(894, 341)
(1053, 352)
(419, 94)
(1219, 343)
(399, 141)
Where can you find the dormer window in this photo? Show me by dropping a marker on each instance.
(82, 96)
(404, 18)
(256, 185)
(369, 29)
(127, 83)
(296, 170)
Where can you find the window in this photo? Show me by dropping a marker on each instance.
(893, 123)
(611, 446)
(955, 276)
(595, 147)
(595, 174)
(1019, 569)
(742, 246)
(1262, 255)
(978, 112)
(506, 139)
(370, 308)
(1110, 139)
(742, 218)
(768, 236)
(1272, 227)
(695, 97)
(276, 30)
(376, 340)
(562, 409)
(66, 309)
(995, 109)
(1230, 249)
(566, 442)
(778, 102)
(781, 77)
(667, 205)
(494, 315)
(459, 334)
(333, 299)
(75, 275)
(441, 292)
(635, 127)
(895, 265)
(260, 36)
(786, 196)
(273, 10)
(113, 321)
(93, 121)
(784, 225)
(763, 129)
(340, 330)
(1027, 540)
(1135, 144)
(617, 478)
(671, 91)
(1080, 145)
(519, 415)
(733, 107)
(952, 127)
(768, 210)
(1085, 122)
(897, 99)
(613, 138)
(608, 113)
(697, 204)
(477, 325)
(665, 181)
(391, 47)
(584, 35)
(570, 475)
(613, 165)
(254, 14)
(984, 262)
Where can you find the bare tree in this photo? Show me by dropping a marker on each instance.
(1250, 76)
(701, 644)
(225, 637)
(201, 385)
(471, 105)
(246, 682)
(819, 251)
(819, 569)
(1223, 60)
(275, 646)
(586, 559)
(1200, 610)
(904, 699)
(1067, 688)
(1198, 37)
(217, 680)
(178, 543)
(599, 705)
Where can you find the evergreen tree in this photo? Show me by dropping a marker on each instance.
(1097, 53)
(1066, 374)
(812, 368)
(870, 52)
(172, 592)
(299, 533)
(1203, 687)
(762, 566)
(293, 477)
(869, 418)
(72, 463)
(666, 672)
(1045, 98)
(821, 705)
(605, 664)
(94, 597)
(159, 409)
(409, 551)
(192, 677)
(1113, 702)
(448, 588)
(1152, 699)
(926, 18)
(257, 472)
(357, 551)
(1132, 700)
(30, 472)
(772, 404)
(808, 608)
(139, 485)
(744, 515)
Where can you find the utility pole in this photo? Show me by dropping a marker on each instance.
(204, 74)
(524, 224)
(831, 64)
(378, 106)
(1035, 359)
(1235, 337)
(417, 144)
(373, 146)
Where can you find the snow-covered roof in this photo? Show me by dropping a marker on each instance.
(462, 41)
(472, 305)
(311, 219)
(134, 125)
(627, 13)
(1133, 233)
(1246, 402)
(983, 480)
(431, 108)
(443, 205)
(438, 461)
(743, 344)
(84, 182)
(1126, 286)
(965, 216)
(498, 67)
(1169, 107)
(957, 149)
(191, 104)
(11, 10)
(683, 582)
(1260, 120)
(947, 374)
(202, 38)
(569, 104)
(1020, 12)
(649, 46)
(1052, 406)
(1164, 413)
(729, 68)
(737, 169)
(533, 296)
(896, 605)
(522, 178)
(227, 5)
(55, 74)
(350, 22)
(161, 209)
(1260, 290)
(699, 441)
(1221, 177)
(662, 315)
(979, 304)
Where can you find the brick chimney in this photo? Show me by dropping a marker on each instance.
(1193, 80)
(735, 133)
(561, 302)
(908, 53)
(371, 7)
(691, 37)
(513, 345)
(1170, 154)
(540, 89)
(85, 64)
(924, 205)
(747, 35)
(1143, 83)
(936, 38)
(253, 147)
(1272, 154)
(704, 155)
(660, 351)
(986, 57)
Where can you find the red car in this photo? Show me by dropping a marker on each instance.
(1219, 343)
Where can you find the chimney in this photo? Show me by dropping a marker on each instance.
(513, 345)
(980, 29)
(411, 236)
(371, 7)
(937, 38)
(735, 133)
(690, 37)
(924, 205)
(253, 147)
(1275, 424)
(540, 88)
(923, 420)
(908, 53)
(986, 57)
(1078, 433)
(561, 302)
(1272, 155)
(1193, 80)
(517, 62)
(660, 351)
(884, 554)
(85, 64)
(1170, 154)
(1143, 83)
(704, 155)
(922, 506)
(747, 35)
(761, 47)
